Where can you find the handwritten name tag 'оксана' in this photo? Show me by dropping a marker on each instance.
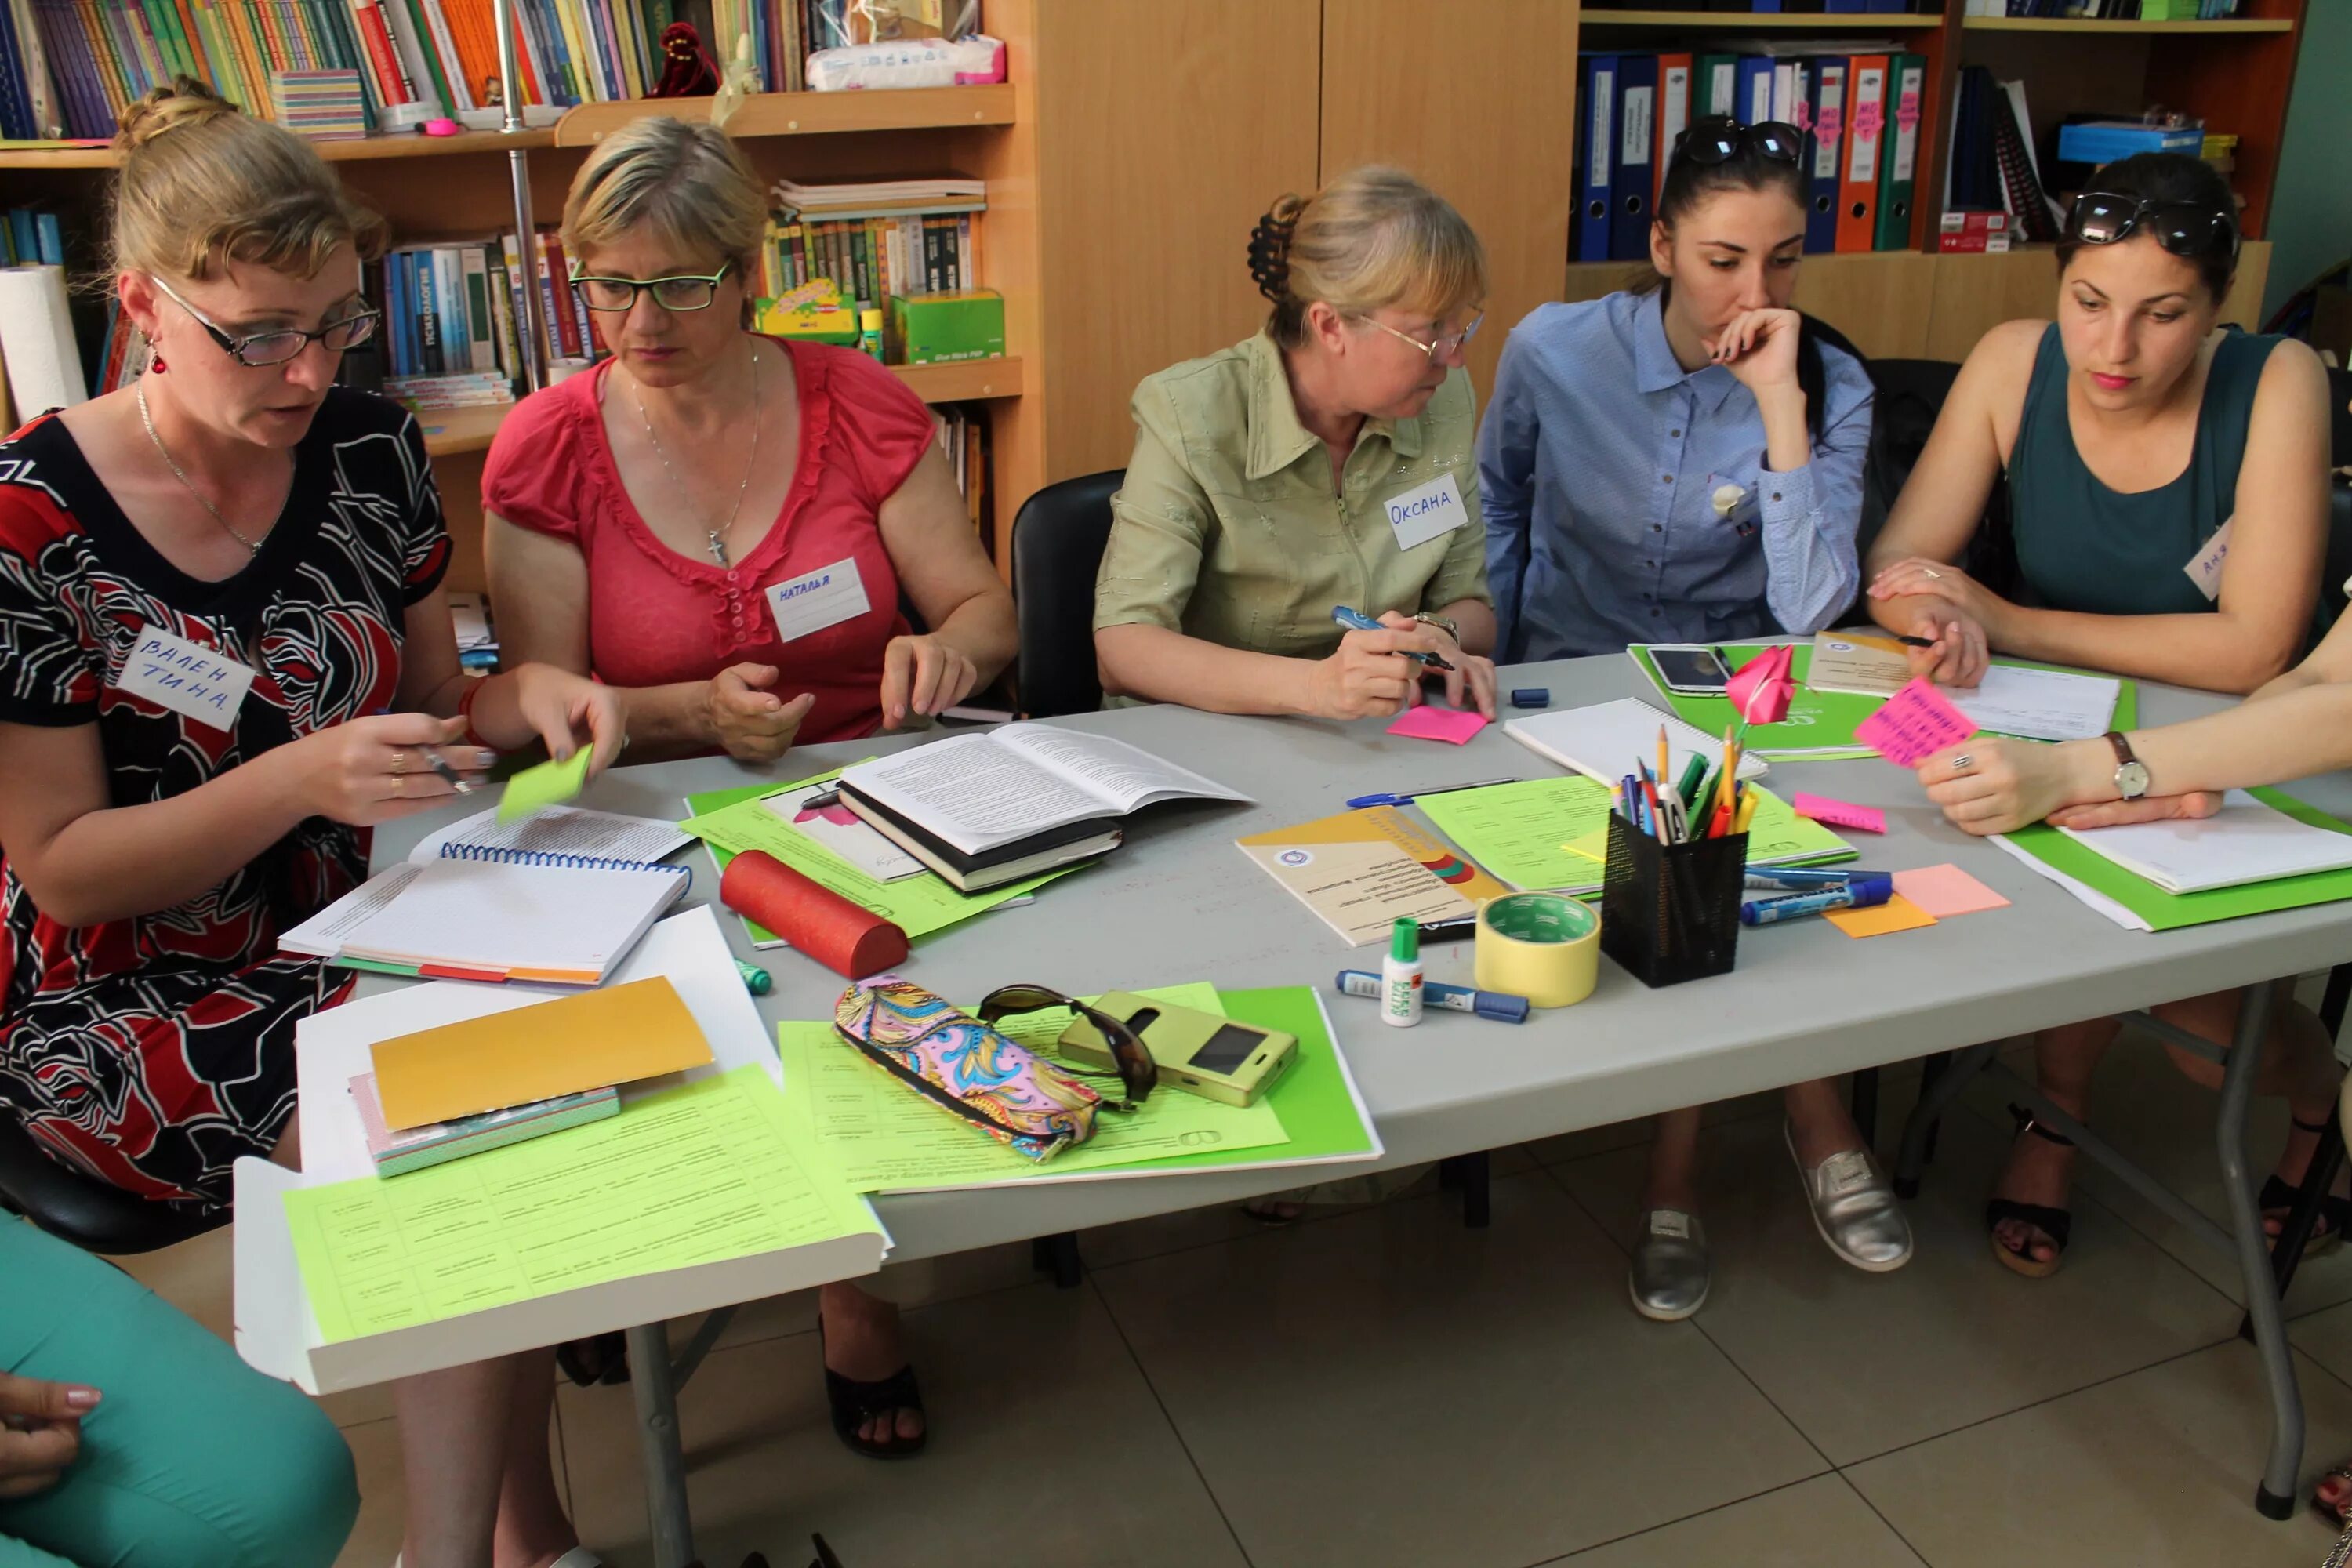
(190, 679)
(1423, 512)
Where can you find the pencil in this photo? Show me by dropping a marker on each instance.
(1666, 769)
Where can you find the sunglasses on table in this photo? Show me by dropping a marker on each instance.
(1137, 1072)
(259, 349)
(1714, 139)
(681, 292)
(2189, 229)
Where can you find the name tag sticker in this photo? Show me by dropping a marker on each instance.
(825, 597)
(190, 679)
(2204, 568)
(1425, 511)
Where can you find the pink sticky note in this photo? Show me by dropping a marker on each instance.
(1435, 721)
(1840, 814)
(1914, 724)
(1761, 688)
(1946, 891)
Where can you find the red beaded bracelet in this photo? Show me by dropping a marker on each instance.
(474, 685)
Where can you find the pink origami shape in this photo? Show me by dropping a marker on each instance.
(1761, 688)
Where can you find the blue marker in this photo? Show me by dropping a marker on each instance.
(1859, 894)
(1499, 1006)
(1356, 621)
(1802, 880)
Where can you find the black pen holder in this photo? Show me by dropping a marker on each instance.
(1670, 912)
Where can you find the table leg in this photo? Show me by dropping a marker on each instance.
(1865, 1105)
(1058, 1256)
(1936, 1095)
(659, 1449)
(2276, 1497)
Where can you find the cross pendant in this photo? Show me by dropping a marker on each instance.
(718, 550)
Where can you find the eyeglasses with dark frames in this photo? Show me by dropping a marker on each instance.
(681, 292)
(1137, 1073)
(260, 350)
(2187, 229)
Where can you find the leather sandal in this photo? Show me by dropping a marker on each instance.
(2278, 1196)
(2057, 1224)
(854, 1404)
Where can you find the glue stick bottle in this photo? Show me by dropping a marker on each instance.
(1400, 976)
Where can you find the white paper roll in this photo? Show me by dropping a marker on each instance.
(37, 341)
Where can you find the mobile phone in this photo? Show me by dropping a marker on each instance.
(1691, 669)
(1217, 1058)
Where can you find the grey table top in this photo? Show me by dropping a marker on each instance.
(1179, 902)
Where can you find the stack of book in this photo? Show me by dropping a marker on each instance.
(874, 238)
(2108, 10)
(1859, 109)
(454, 315)
(30, 236)
(962, 436)
(324, 105)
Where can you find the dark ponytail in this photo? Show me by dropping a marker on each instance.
(1269, 264)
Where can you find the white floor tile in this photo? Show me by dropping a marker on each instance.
(1819, 1523)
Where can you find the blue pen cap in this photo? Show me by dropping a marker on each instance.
(1501, 1006)
(1530, 697)
(1871, 887)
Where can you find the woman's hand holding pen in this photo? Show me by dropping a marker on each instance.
(1370, 677)
(1958, 617)
(383, 767)
(1471, 676)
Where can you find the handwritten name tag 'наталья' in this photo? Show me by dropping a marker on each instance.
(825, 597)
(190, 679)
(1423, 512)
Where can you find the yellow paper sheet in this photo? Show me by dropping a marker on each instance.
(1517, 830)
(1897, 913)
(879, 1135)
(697, 1174)
(617, 1034)
(916, 905)
(1362, 871)
(547, 783)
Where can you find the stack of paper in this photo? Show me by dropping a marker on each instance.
(2040, 704)
(2245, 841)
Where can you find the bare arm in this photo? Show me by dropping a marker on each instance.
(1477, 619)
(1368, 675)
(927, 529)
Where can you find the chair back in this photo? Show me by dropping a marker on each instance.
(91, 1214)
(1057, 544)
(2338, 564)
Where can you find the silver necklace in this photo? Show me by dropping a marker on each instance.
(717, 536)
(252, 546)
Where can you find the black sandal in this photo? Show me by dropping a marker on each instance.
(2057, 1224)
(854, 1404)
(600, 1360)
(2279, 1197)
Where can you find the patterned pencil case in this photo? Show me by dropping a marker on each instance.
(965, 1067)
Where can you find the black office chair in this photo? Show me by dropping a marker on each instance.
(1057, 543)
(91, 1214)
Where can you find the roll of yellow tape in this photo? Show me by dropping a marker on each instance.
(1541, 946)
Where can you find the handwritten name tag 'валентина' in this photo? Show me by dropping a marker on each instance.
(1915, 723)
(187, 678)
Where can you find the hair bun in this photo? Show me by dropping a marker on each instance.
(186, 102)
(1269, 247)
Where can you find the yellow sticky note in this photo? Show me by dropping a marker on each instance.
(1897, 913)
(549, 783)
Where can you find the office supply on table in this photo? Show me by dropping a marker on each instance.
(1361, 871)
(1760, 691)
(617, 1034)
(1356, 803)
(1817, 725)
(1897, 913)
(1858, 664)
(1315, 1116)
(555, 836)
(1913, 725)
(1670, 912)
(1596, 102)
(475, 920)
(1861, 893)
(986, 791)
(816, 810)
(1944, 891)
(1458, 927)
(1838, 813)
(1530, 697)
(1356, 621)
(545, 783)
(1596, 741)
(1055, 849)
(1435, 721)
(1493, 1005)
(2246, 841)
(960, 1066)
(731, 822)
(398, 1152)
(847, 938)
(1908, 641)
(1400, 976)
(1541, 946)
(756, 980)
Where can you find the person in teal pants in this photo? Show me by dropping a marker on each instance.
(131, 1438)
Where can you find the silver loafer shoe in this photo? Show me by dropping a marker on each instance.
(1855, 1208)
(1670, 1273)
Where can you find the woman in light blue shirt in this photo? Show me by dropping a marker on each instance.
(1682, 465)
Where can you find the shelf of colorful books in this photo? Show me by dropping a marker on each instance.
(357, 149)
(1752, 22)
(2225, 24)
(806, 113)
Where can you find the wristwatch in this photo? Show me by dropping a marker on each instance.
(2131, 774)
(1442, 623)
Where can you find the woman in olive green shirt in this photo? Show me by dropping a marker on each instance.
(1327, 461)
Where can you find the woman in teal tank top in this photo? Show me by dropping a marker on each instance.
(2133, 435)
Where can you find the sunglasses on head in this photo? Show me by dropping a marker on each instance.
(1718, 138)
(2189, 229)
(1138, 1073)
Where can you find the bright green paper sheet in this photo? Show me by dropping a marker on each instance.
(732, 821)
(1521, 832)
(547, 783)
(1313, 1103)
(1819, 720)
(2170, 912)
(695, 1174)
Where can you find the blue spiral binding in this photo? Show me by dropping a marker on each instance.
(569, 862)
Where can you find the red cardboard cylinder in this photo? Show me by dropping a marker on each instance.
(848, 939)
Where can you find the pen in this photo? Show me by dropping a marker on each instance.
(1915, 642)
(1356, 621)
(1461, 928)
(1364, 800)
(1499, 1006)
(462, 785)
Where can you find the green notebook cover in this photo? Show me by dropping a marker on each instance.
(2170, 912)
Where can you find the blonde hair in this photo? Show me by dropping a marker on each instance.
(1374, 238)
(688, 182)
(203, 184)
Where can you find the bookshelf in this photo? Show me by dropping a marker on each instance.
(806, 113)
(2220, 28)
(1759, 22)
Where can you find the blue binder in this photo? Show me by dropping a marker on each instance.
(1595, 160)
(1755, 88)
(1823, 147)
(1633, 147)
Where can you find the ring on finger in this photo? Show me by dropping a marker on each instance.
(1931, 572)
(399, 760)
(1963, 763)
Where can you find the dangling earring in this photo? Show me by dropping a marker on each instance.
(156, 364)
